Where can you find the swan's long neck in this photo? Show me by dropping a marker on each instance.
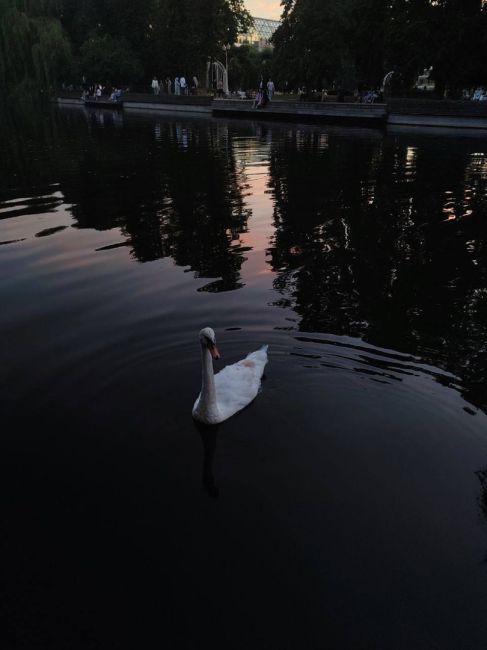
(208, 404)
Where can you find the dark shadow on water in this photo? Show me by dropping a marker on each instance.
(220, 286)
(209, 438)
(50, 231)
(482, 476)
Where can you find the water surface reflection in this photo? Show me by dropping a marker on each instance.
(362, 246)
(348, 493)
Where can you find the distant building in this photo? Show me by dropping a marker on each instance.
(261, 34)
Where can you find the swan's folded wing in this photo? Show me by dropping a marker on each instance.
(260, 358)
(237, 385)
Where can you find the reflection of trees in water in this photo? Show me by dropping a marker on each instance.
(386, 241)
(178, 194)
(173, 192)
(27, 156)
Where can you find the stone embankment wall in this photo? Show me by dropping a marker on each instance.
(406, 112)
(441, 113)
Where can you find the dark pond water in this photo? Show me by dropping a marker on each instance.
(346, 508)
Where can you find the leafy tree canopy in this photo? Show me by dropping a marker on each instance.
(325, 42)
(34, 50)
(42, 41)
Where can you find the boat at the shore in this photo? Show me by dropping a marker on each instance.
(103, 103)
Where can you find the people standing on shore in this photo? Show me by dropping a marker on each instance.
(261, 99)
(168, 85)
(182, 83)
(479, 95)
(177, 86)
(270, 89)
(257, 99)
(155, 86)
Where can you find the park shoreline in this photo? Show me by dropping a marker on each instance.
(398, 112)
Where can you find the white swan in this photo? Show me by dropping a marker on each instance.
(233, 388)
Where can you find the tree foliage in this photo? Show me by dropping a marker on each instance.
(184, 34)
(160, 36)
(319, 43)
(34, 50)
(246, 66)
(323, 42)
(109, 60)
(112, 40)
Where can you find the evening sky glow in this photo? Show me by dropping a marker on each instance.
(264, 8)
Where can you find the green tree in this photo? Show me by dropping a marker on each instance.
(246, 65)
(458, 30)
(161, 36)
(321, 41)
(312, 43)
(106, 59)
(185, 33)
(34, 51)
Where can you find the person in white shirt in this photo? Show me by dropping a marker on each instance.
(182, 83)
(155, 86)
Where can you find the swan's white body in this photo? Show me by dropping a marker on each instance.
(232, 389)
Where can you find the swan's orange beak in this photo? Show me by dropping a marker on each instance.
(214, 352)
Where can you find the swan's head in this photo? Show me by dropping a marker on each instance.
(208, 340)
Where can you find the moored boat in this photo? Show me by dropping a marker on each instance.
(103, 103)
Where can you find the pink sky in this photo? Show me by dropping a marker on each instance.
(264, 8)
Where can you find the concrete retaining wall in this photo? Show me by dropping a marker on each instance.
(172, 100)
(437, 108)
(450, 122)
(326, 111)
(167, 107)
(438, 113)
(412, 112)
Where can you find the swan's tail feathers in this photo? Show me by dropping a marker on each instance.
(259, 356)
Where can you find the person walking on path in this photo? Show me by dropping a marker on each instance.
(270, 89)
(168, 85)
(182, 83)
(155, 86)
(177, 86)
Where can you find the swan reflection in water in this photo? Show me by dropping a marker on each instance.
(209, 435)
